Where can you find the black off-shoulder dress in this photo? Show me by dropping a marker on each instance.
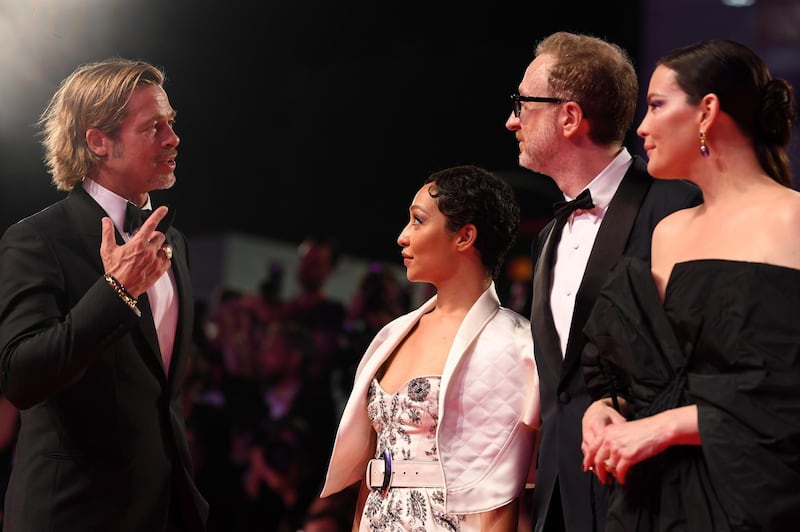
(727, 338)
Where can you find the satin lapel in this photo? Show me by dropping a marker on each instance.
(180, 269)
(608, 247)
(87, 213)
(147, 329)
(476, 319)
(545, 337)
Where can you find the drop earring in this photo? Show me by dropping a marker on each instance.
(703, 148)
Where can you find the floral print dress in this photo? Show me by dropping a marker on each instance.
(406, 424)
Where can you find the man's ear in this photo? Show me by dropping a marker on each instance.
(571, 118)
(97, 141)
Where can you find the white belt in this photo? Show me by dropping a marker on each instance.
(386, 473)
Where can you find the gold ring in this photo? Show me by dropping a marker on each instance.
(167, 249)
(610, 468)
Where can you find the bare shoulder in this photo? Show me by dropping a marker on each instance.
(788, 202)
(669, 246)
(673, 224)
(778, 228)
(781, 213)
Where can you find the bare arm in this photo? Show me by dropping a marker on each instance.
(626, 444)
(501, 519)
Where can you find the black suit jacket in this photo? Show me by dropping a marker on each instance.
(627, 227)
(102, 445)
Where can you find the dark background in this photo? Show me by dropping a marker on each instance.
(300, 116)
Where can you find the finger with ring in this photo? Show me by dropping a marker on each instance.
(167, 249)
(610, 468)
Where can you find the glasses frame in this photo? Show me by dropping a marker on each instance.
(516, 101)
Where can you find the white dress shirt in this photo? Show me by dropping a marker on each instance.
(577, 240)
(163, 295)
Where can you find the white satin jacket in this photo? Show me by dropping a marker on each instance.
(488, 408)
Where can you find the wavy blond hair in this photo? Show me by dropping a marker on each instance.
(94, 95)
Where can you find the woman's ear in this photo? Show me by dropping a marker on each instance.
(466, 236)
(709, 110)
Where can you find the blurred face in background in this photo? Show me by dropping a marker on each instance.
(277, 358)
(315, 264)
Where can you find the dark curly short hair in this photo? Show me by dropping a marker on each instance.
(472, 195)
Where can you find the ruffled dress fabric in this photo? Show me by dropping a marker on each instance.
(406, 424)
(727, 338)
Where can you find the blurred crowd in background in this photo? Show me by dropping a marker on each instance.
(267, 384)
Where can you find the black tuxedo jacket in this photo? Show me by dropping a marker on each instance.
(627, 227)
(102, 445)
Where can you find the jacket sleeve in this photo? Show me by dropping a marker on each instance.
(50, 330)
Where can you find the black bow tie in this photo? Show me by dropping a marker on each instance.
(134, 217)
(562, 209)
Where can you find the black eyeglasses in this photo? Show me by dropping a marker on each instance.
(517, 100)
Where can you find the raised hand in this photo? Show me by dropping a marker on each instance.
(141, 261)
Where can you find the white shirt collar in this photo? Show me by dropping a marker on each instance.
(112, 203)
(605, 185)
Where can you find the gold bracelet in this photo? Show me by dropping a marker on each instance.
(122, 293)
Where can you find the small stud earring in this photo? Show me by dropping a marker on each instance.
(703, 148)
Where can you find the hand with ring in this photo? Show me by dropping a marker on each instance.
(605, 471)
(139, 262)
(167, 249)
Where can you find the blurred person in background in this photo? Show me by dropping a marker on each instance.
(318, 256)
(295, 429)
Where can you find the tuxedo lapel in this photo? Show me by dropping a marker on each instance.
(542, 324)
(612, 239)
(180, 269)
(147, 329)
(87, 214)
